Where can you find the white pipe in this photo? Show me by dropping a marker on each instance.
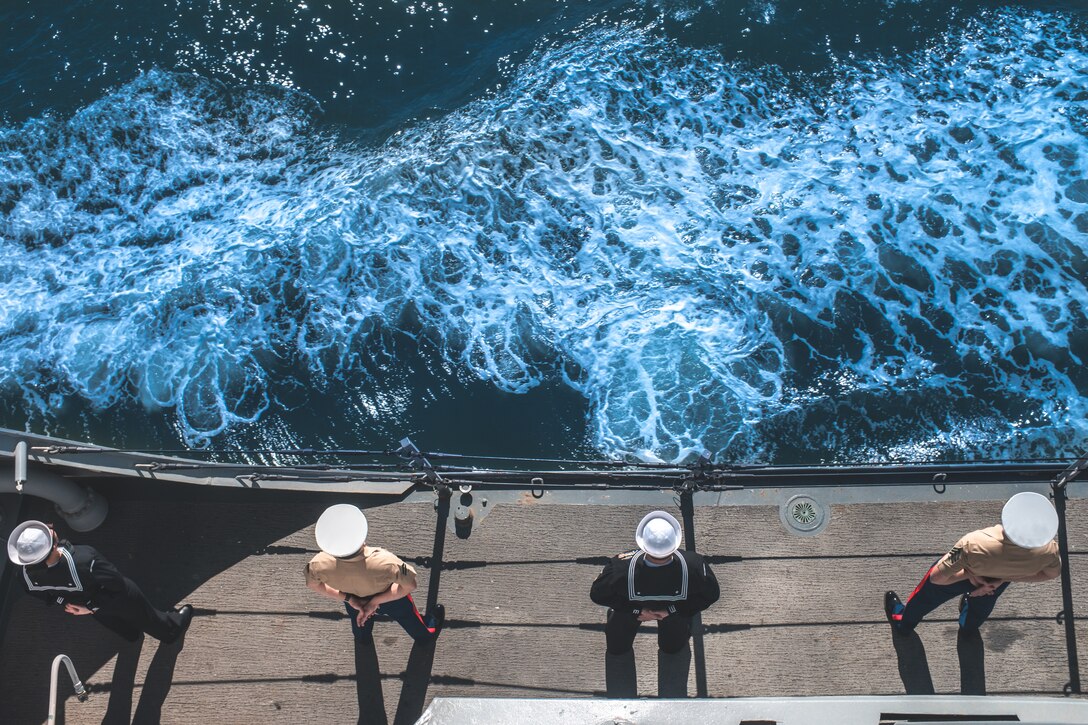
(81, 508)
(54, 675)
(20, 465)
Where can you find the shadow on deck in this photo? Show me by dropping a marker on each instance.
(798, 616)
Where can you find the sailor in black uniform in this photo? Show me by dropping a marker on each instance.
(81, 579)
(655, 582)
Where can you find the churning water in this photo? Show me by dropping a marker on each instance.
(621, 231)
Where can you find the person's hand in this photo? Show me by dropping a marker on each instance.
(368, 610)
(988, 587)
(652, 615)
(77, 609)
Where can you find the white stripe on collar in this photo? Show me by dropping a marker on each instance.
(77, 584)
(634, 597)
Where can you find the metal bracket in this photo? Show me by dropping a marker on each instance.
(409, 452)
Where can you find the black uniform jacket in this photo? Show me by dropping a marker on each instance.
(82, 576)
(685, 585)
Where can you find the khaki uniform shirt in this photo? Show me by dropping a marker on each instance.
(364, 575)
(987, 553)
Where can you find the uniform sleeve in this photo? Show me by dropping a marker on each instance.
(603, 591)
(404, 575)
(1055, 561)
(957, 558)
(309, 574)
(107, 580)
(704, 595)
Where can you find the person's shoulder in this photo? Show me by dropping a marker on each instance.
(377, 556)
(82, 552)
(322, 562)
(695, 560)
(621, 560)
(982, 540)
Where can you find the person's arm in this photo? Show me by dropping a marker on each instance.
(953, 567)
(404, 583)
(107, 580)
(706, 593)
(610, 590)
(105, 585)
(603, 590)
(1052, 571)
(1043, 576)
(944, 577)
(325, 590)
(396, 590)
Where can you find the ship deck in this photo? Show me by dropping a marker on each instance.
(797, 615)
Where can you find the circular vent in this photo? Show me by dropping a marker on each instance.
(805, 516)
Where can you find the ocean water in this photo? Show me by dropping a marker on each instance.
(832, 231)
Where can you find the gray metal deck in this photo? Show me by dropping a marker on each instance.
(798, 616)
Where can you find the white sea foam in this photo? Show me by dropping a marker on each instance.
(715, 256)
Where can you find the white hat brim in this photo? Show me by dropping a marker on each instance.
(13, 551)
(678, 534)
(1029, 520)
(341, 530)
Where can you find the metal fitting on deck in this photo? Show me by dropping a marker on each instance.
(462, 517)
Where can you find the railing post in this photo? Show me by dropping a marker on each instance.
(1073, 686)
(443, 494)
(442, 509)
(1060, 498)
(54, 675)
(687, 512)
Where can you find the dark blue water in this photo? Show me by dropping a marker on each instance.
(779, 231)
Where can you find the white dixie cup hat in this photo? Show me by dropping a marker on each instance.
(658, 534)
(341, 530)
(30, 543)
(1029, 520)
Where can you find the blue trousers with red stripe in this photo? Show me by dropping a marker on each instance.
(927, 596)
(401, 610)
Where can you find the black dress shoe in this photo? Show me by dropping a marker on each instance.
(438, 617)
(893, 606)
(186, 612)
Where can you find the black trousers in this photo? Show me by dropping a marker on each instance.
(673, 632)
(927, 596)
(130, 613)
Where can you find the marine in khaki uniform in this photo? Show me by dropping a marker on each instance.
(369, 580)
(982, 565)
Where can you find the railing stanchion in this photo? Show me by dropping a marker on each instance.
(54, 675)
(1060, 498)
(687, 512)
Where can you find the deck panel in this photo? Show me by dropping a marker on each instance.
(798, 616)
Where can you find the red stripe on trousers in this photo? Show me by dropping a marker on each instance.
(899, 617)
(418, 615)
